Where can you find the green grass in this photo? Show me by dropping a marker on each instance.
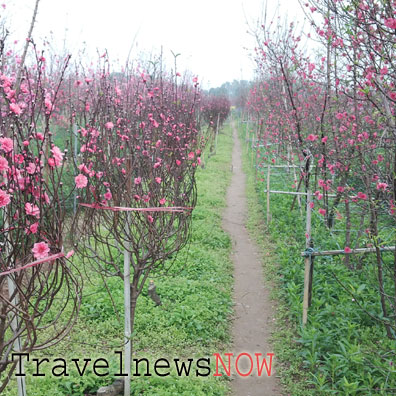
(192, 322)
(341, 351)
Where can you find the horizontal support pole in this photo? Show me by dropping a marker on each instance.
(294, 193)
(278, 166)
(353, 251)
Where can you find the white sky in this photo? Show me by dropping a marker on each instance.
(210, 35)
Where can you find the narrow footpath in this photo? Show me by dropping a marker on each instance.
(253, 308)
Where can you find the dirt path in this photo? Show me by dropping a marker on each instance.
(253, 309)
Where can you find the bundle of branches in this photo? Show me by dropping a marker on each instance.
(36, 282)
(138, 154)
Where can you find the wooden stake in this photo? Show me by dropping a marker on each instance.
(307, 260)
(268, 193)
(217, 131)
(75, 153)
(127, 293)
(21, 383)
(127, 321)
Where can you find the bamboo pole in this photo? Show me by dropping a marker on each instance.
(127, 292)
(246, 131)
(21, 382)
(298, 197)
(127, 320)
(293, 193)
(217, 131)
(353, 251)
(268, 192)
(307, 261)
(75, 162)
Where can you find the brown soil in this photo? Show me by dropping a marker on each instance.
(253, 310)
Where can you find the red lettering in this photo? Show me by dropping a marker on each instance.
(218, 357)
(251, 364)
(260, 369)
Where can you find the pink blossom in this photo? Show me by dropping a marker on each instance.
(150, 218)
(39, 136)
(312, 137)
(361, 195)
(3, 164)
(384, 70)
(138, 180)
(69, 254)
(162, 201)
(109, 125)
(108, 195)
(81, 181)
(158, 180)
(390, 23)
(324, 139)
(7, 144)
(45, 198)
(32, 210)
(58, 155)
(322, 211)
(178, 162)
(48, 104)
(15, 108)
(31, 168)
(347, 249)
(318, 195)
(4, 198)
(191, 155)
(381, 186)
(340, 189)
(33, 228)
(40, 250)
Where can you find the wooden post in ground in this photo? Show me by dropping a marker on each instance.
(14, 300)
(21, 383)
(268, 193)
(298, 197)
(127, 292)
(246, 131)
(127, 321)
(75, 153)
(307, 260)
(217, 131)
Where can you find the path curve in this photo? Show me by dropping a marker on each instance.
(253, 310)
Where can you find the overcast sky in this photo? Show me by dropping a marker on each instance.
(210, 35)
